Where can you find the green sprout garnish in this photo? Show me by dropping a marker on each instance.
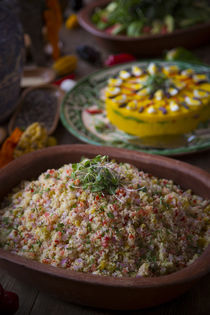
(96, 174)
(156, 82)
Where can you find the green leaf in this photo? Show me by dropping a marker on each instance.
(110, 215)
(74, 166)
(102, 25)
(134, 29)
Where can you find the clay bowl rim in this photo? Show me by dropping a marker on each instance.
(191, 273)
(87, 24)
(18, 108)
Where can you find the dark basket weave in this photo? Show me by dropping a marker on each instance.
(11, 59)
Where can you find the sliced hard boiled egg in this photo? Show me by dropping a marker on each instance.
(179, 85)
(137, 71)
(142, 79)
(111, 91)
(197, 78)
(192, 101)
(152, 68)
(133, 86)
(132, 105)
(143, 92)
(173, 91)
(170, 70)
(159, 95)
(124, 75)
(201, 93)
(151, 110)
(120, 99)
(174, 107)
(114, 82)
(187, 73)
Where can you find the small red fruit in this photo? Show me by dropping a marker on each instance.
(93, 111)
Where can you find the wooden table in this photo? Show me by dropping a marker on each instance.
(196, 301)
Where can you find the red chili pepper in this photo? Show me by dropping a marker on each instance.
(120, 58)
(70, 76)
(94, 111)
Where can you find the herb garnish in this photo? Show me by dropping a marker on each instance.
(110, 215)
(157, 81)
(96, 175)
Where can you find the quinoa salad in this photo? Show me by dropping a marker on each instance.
(105, 218)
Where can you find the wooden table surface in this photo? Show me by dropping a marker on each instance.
(32, 301)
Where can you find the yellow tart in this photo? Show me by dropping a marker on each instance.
(157, 100)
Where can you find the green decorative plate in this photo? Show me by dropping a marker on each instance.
(90, 128)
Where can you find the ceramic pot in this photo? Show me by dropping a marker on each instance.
(145, 45)
(11, 59)
(123, 293)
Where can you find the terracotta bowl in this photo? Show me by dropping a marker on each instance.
(146, 45)
(101, 291)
